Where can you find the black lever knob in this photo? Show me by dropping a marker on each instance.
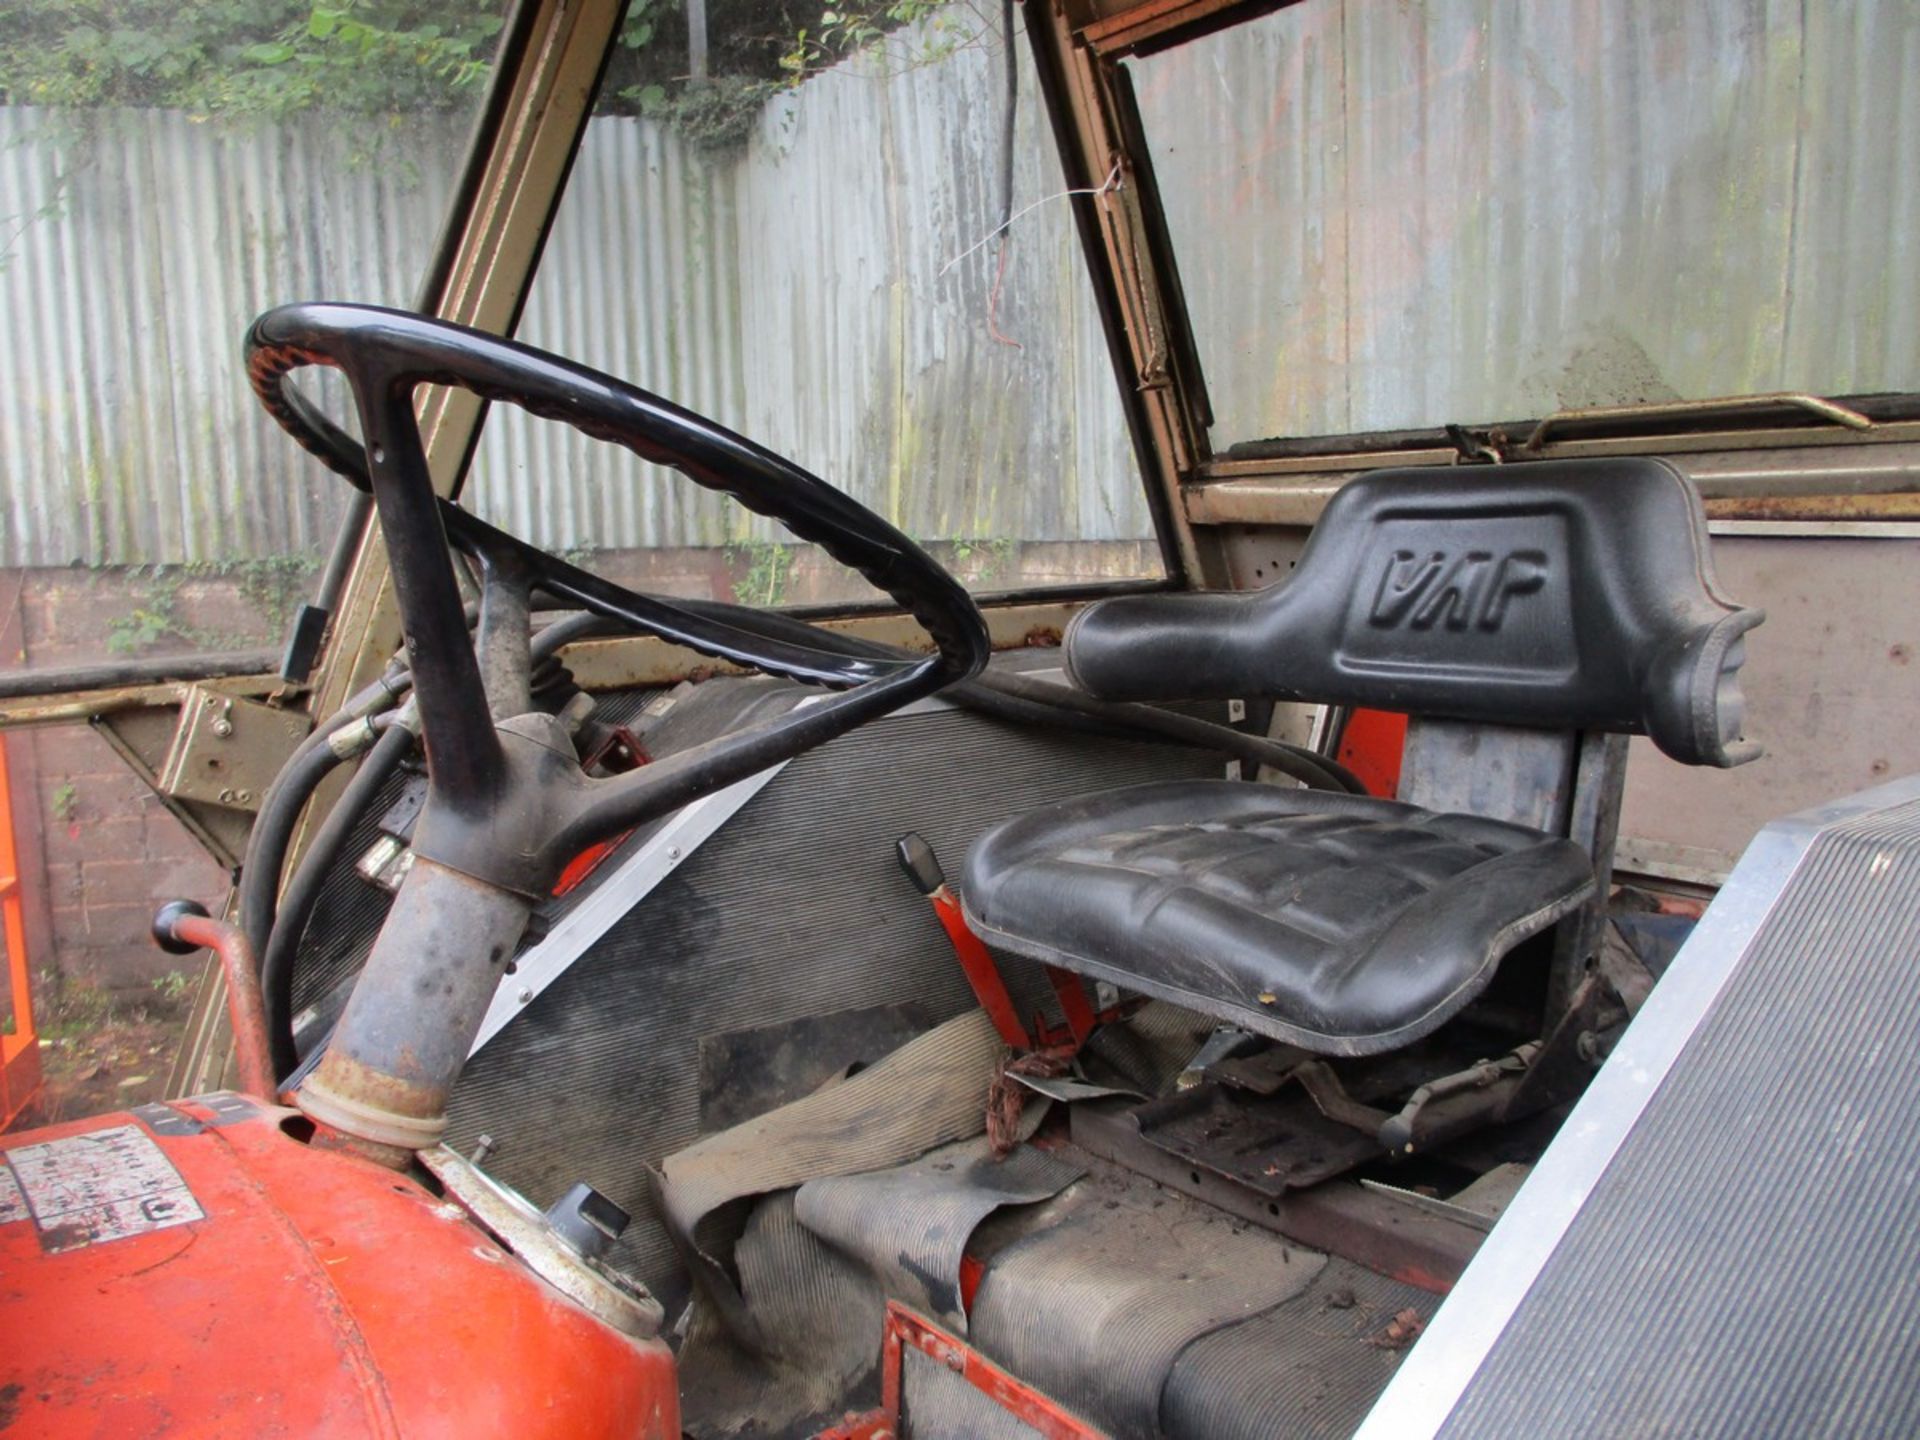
(921, 864)
(587, 1220)
(170, 915)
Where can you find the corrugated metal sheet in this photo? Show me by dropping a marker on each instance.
(1387, 215)
(134, 249)
(1396, 215)
(797, 295)
(794, 291)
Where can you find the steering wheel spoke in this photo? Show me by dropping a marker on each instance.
(499, 810)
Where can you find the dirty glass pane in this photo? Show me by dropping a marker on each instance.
(794, 247)
(167, 171)
(1391, 216)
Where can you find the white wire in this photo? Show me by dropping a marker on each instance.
(1105, 187)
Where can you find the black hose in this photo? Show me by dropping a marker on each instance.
(273, 828)
(1002, 694)
(581, 625)
(280, 807)
(1023, 700)
(1317, 771)
(303, 890)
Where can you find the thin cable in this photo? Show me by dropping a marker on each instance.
(1105, 187)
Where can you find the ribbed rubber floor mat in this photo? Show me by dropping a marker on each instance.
(820, 1314)
(937, 1404)
(1307, 1370)
(910, 1224)
(786, 1326)
(1748, 1264)
(794, 909)
(927, 1093)
(1095, 1309)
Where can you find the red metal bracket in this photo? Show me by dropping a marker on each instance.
(620, 752)
(982, 974)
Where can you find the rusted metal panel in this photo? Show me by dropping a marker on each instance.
(1831, 682)
(1802, 481)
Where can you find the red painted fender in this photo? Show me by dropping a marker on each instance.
(194, 1270)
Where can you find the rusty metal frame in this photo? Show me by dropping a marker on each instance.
(500, 241)
(1080, 45)
(1124, 240)
(1037, 1411)
(1839, 474)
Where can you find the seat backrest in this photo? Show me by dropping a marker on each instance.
(1562, 595)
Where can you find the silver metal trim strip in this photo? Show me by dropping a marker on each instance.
(637, 876)
(1436, 1372)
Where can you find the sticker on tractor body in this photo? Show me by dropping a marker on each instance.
(88, 1189)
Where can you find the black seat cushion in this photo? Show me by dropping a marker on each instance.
(1340, 923)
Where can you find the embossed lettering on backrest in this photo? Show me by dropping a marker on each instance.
(1474, 587)
(1437, 590)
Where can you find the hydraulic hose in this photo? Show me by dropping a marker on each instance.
(303, 891)
(1023, 699)
(280, 807)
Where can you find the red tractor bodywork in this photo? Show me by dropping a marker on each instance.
(193, 1269)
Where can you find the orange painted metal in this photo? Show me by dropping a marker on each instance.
(246, 1006)
(982, 974)
(1372, 746)
(868, 1425)
(1074, 1005)
(20, 1044)
(1040, 1412)
(280, 1289)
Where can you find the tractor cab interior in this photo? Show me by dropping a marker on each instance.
(1049, 1012)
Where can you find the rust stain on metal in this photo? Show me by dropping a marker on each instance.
(246, 1008)
(1896, 505)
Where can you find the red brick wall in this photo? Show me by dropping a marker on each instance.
(99, 853)
(112, 856)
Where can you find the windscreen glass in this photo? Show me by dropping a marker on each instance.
(1391, 216)
(796, 232)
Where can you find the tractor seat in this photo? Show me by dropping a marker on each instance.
(1538, 604)
(1341, 924)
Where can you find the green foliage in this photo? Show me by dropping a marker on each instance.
(247, 58)
(978, 560)
(273, 586)
(65, 796)
(270, 59)
(769, 568)
(717, 116)
(872, 30)
(171, 986)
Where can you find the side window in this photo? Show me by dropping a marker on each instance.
(1399, 216)
(802, 246)
(167, 171)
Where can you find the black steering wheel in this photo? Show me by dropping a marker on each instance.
(507, 803)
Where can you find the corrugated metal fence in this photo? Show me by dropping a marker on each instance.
(1388, 215)
(135, 250)
(794, 291)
